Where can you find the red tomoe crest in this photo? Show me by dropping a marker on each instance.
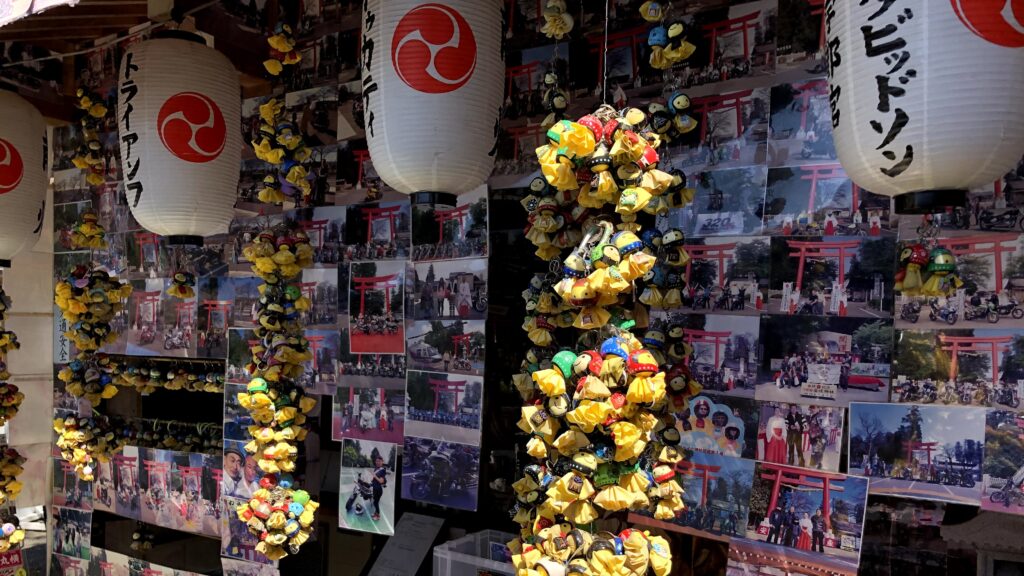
(433, 49)
(997, 21)
(192, 127)
(12, 169)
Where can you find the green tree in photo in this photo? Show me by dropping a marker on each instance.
(975, 271)
(974, 366)
(911, 424)
(750, 259)
(873, 336)
(920, 355)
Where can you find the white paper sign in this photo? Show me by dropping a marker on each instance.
(404, 552)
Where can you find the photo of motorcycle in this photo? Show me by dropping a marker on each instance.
(361, 498)
(1001, 219)
(946, 313)
(448, 475)
(1011, 308)
(910, 311)
(981, 310)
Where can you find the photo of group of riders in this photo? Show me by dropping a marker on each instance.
(376, 307)
(959, 367)
(444, 290)
(451, 227)
(931, 452)
(376, 414)
(439, 472)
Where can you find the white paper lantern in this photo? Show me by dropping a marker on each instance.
(927, 96)
(433, 85)
(22, 181)
(179, 114)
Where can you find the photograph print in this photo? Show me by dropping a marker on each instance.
(991, 208)
(444, 407)
(370, 402)
(820, 200)
(808, 514)
(116, 484)
(68, 490)
(924, 452)
(442, 473)
(960, 366)
(716, 490)
(235, 540)
(377, 231)
(446, 290)
(834, 276)
(828, 360)
(724, 348)
(72, 532)
(716, 424)
(321, 374)
(801, 124)
(755, 557)
(727, 203)
(801, 435)
(366, 500)
(240, 343)
(975, 280)
(236, 419)
(1003, 462)
(320, 287)
(159, 324)
(314, 113)
(157, 474)
(731, 132)
(727, 275)
(447, 227)
(108, 563)
(375, 307)
(450, 346)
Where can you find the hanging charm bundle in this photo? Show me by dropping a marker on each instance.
(88, 234)
(600, 407)
(88, 157)
(557, 20)
(10, 397)
(279, 514)
(667, 38)
(282, 50)
(281, 145)
(84, 441)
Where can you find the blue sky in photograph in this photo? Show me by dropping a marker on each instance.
(939, 423)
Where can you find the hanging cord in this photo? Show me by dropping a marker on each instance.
(604, 59)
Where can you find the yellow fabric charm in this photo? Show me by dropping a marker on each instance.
(614, 498)
(550, 381)
(646, 389)
(588, 414)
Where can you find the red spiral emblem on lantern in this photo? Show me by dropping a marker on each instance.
(12, 169)
(192, 127)
(433, 49)
(997, 21)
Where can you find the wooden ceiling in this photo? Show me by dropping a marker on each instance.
(71, 27)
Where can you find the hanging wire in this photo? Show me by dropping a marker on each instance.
(604, 59)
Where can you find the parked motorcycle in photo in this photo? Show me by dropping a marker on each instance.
(1005, 219)
(1007, 395)
(910, 311)
(361, 498)
(946, 313)
(1011, 308)
(985, 311)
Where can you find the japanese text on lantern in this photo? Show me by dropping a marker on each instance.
(369, 86)
(129, 136)
(834, 60)
(882, 39)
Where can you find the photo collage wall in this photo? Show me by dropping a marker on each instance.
(800, 339)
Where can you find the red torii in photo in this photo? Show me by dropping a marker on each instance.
(838, 249)
(827, 172)
(144, 240)
(926, 447)
(443, 386)
(69, 471)
(223, 307)
(972, 245)
(461, 341)
(126, 464)
(157, 471)
(809, 90)
(456, 215)
(184, 308)
(797, 477)
(191, 472)
(361, 156)
(719, 252)
(521, 71)
(390, 213)
(706, 104)
(739, 24)
(383, 283)
(318, 227)
(520, 133)
(631, 38)
(717, 339)
(314, 345)
(991, 345)
(818, 9)
(308, 290)
(705, 472)
(218, 475)
(151, 299)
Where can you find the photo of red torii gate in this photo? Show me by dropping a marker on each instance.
(375, 308)
(805, 490)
